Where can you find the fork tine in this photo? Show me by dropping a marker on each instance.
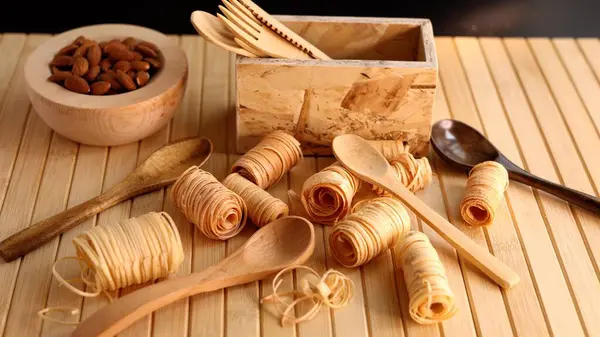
(239, 22)
(236, 30)
(249, 48)
(242, 16)
(242, 8)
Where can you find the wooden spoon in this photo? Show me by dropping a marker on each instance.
(282, 243)
(461, 146)
(162, 168)
(363, 160)
(213, 31)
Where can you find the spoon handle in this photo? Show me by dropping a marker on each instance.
(474, 253)
(575, 197)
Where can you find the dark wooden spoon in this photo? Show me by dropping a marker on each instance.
(463, 147)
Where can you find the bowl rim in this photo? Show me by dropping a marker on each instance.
(173, 71)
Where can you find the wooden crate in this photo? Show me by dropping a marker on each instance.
(380, 84)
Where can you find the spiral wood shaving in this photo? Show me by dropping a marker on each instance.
(390, 149)
(414, 173)
(267, 162)
(263, 208)
(430, 298)
(486, 185)
(217, 211)
(133, 251)
(333, 290)
(374, 226)
(327, 195)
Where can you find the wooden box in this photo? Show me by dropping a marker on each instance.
(380, 84)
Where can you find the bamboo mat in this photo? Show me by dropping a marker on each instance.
(537, 99)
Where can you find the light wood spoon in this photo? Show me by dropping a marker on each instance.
(363, 160)
(162, 168)
(213, 31)
(285, 242)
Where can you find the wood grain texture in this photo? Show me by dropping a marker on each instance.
(518, 91)
(381, 85)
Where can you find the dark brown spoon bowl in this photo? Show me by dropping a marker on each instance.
(463, 147)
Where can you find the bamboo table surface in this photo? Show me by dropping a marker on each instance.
(537, 99)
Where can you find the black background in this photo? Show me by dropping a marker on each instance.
(451, 17)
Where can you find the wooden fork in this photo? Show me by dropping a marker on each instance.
(258, 36)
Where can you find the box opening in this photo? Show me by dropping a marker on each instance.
(386, 40)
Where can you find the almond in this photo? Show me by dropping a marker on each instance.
(79, 40)
(94, 55)
(105, 64)
(153, 62)
(140, 65)
(80, 66)
(77, 84)
(102, 44)
(59, 76)
(130, 42)
(131, 74)
(100, 88)
(125, 80)
(68, 50)
(111, 72)
(54, 69)
(92, 73)
(122, 65)
(62, 61)
(145, 50)
(106, 77)
(137, 56)
(149, 45)
(83, 48)
(121, 55)
(142, 78)
(114, 46)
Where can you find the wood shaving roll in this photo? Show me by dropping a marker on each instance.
(390, 149)
(373, 227)
(263, 208)
(414, 173)
(217, 211)
(327, 195)
(486, 185)
(267, 162)
(333, 290)
(430, 298)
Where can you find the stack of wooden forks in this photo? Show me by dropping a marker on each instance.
(246, 29)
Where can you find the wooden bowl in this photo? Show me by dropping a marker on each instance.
(113, 119)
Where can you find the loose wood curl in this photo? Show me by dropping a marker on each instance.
(327, 195)
(430, 298)
(414, 173)
(133, 251)
(390, 149)
(486, 185)
(263, 208)
(374, 226)
(267, 162)
(217, 211)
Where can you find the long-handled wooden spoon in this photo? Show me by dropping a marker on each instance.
(363, 160)
(162, 168)
(283, 243)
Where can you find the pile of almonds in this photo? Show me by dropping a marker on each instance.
(105, 68)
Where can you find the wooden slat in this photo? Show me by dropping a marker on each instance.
(486, 298)
(207, 316)
(530, 153)
(591, 48)
(506, 243)
(11, 46)
(575, 261)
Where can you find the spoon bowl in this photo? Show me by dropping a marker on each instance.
(283, 243)
(463, 147)
(213, 31)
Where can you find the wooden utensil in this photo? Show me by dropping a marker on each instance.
(162, 168)
(282, 29)
(260, 37)
(363, 160)
(282, 243)
(461, 146)
(213, 31)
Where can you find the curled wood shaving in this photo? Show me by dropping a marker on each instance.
(263, 208)
(390, 149)
(430, 298)
(373, 227)
(327, 195)
(267, 162)
(333, 290)
(133, 251)
(414, 173)
(486, 185)
(217, 211)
